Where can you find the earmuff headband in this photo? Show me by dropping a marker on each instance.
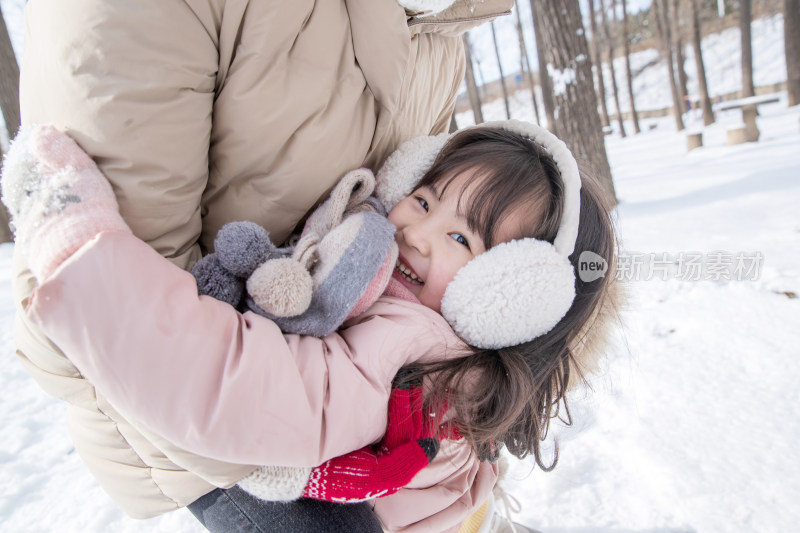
(570, 176)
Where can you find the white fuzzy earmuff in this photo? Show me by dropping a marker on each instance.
(516, 291)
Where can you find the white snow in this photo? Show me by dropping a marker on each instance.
(690, 426)
(560, 79)
(721, 54)
(722, 60)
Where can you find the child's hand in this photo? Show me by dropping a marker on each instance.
(57, 197)
(410, 444)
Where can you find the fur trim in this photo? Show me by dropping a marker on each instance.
(425, 7)
(276, 483)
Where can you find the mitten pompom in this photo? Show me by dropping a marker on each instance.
(216, 281)
(281, 287)
(242, 246)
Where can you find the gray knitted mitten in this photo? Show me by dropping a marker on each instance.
(340, 265)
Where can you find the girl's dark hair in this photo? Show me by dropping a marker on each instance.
(507, 397)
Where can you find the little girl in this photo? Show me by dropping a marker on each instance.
(491, 314)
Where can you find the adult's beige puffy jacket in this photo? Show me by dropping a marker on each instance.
(201, 112)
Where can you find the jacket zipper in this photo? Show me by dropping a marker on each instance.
(417, 22)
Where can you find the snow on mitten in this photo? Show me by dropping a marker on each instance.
(57, 197)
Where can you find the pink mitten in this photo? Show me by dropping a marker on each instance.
(57, 197)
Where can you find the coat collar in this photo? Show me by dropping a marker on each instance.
(460, 17)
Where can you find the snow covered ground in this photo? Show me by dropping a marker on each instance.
(690, 425)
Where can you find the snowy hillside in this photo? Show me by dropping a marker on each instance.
(721, 53)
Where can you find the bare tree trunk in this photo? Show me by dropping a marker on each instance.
(791, 37)
(705, 99)
(548, 99)
(627, 44)
(598, 63)
(662, 27)
(9, 81)
(745, 17)
(9, 101)
(500, 68)
(472, 87)
(525, 64)
(680, 59)
(567, 51)
(480, 77)
(610, 41)
(5, 219)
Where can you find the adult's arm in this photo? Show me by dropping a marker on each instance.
(214, 381)
(134, 84)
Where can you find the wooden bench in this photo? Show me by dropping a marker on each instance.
(749, 108)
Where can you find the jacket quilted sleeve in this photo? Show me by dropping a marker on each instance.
(219, 383)
(143, 111)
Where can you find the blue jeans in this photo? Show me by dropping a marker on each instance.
(235, 510)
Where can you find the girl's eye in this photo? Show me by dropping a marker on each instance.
(423, 203)
(460, 239)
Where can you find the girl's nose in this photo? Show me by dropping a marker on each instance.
(416, 236)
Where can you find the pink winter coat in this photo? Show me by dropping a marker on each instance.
(134, 326)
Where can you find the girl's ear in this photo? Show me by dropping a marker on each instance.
(399, 175)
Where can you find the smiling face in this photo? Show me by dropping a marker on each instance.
(435, 239)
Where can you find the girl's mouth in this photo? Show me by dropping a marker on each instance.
(407, 274)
